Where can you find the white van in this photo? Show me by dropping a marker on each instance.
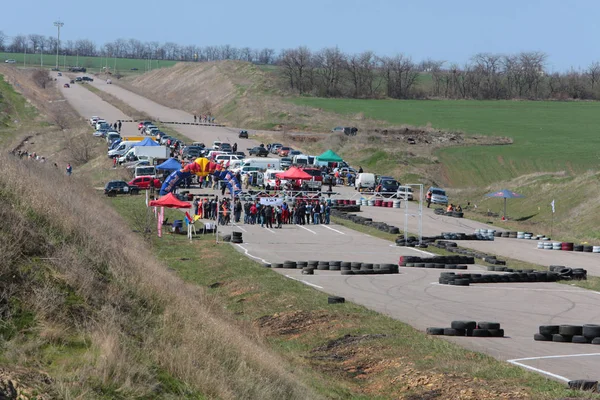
(303, 159)
(262, 163)
(364, 181)
(121, 149)
(226, 158)
(269, 178)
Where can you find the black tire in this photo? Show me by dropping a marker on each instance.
(419, 265)
(365, 266)
(277, 265)
(596, 340)
(481, 333)
(435, 331)
(470, 325)
(335, 263)
(345, 264)
(584, 385)
(542, 338)
(488, 325)
(308, 271)
(496, 332)
(580, 339)
(449, 332)
(335, 268)
(570, 330)
(560, 338)
(462, 282)
(347, 272)
(322, 267)
(335, 300)
(266, 265)
(461, 267)
(289, 265)
(548, 330)
(591, 331)
(429, 265)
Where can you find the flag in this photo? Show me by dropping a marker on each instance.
(552, 204)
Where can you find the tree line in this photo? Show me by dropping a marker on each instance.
(329, 72)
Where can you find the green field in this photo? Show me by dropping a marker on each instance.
(548, 136)
(92, 63)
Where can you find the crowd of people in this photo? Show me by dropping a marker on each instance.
(302, 212)
(33, 156)
(204, 118)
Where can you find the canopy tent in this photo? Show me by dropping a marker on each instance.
(170, 201)
(170, 165)
(329, 156)
(506, 194)
(146, 142)
(294, 173)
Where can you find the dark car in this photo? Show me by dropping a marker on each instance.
(240, 154)
(388, 185)
(258, 151)
(87, 79)
(226, 147)
(67, 85)
(113, 188)
(243, 135)
(134, 69)
(346, 130)
(78, 79)
(329, 178)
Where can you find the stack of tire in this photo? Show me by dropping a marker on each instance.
(469, 328)
(236, 237)
(455, 214)
(453, 248)
(565, 273)
(588, 333)
(358, 268)
(412, 241)
(412, 261)
(515, 276)
(382, 226)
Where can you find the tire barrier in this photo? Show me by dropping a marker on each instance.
(454, 214)
(480, 234)
(382, 226)
(344, 267)
(236, 237)
(335, 300)
(584, 385)
(469, 328)
(439, 262)
(453, 248)
(513, 276)
(582, 334)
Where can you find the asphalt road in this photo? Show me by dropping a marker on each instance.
(412, 296)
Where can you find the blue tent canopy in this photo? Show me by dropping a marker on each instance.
(170, 165)
(505, 194)
(146, 142)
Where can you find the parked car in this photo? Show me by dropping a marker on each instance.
(72, 81)
(389, 185)
(284, 151)
(241, 155)
(329, 178)
(438, 195)
(101, 133)
(258, 151)
(275, 147)
(10, 61)
(243, 135)
(147, 130)
(226, 147)
(143, 124)
(346, 130)
(317, 178)
(142, 182)
(405, 193)
(66, 85)
(134, 69)
(113, 188)
(293, 153)
(59, 74)
(285, 162)
(164, 139)
(78, 79)
(87, 79)
(216, 144)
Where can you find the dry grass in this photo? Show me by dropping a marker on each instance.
(133, 313)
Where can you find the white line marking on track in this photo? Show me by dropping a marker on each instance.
(421, 251)
(250, 255)
(305, 282)
(269, 230)
(540, 371)
(306, 229)
(335, 230)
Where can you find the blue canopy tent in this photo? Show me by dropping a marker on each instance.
(506, 194)
(146, 142)
(170, 165)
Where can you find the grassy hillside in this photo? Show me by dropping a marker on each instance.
(15, 112)
(93, 63)
(549, 136)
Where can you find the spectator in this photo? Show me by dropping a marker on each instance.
(428, 197)
(69, 169)
(120, 125)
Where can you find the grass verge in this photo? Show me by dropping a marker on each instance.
(350, 351)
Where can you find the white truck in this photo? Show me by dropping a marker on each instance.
(162, 152)
(149, 170)
(262, 163)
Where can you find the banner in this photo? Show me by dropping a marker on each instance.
(161, 216)
(271, 201)
(231, 181)
(552, 204)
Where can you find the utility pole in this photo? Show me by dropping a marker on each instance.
(58, 24)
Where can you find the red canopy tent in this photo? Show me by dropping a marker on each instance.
(294, 173)
(170, 201)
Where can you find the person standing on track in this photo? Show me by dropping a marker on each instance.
(120, 125)
(429, 195)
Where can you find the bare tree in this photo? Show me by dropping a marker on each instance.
(328, 69)
(298, 68)
(266, 56)
(490, 67)
(3, 40)
(41, 77)
(400, 75)
(361, 73)
(593, 73)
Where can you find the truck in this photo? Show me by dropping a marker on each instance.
(148, 170)
(262, 163)
(161, 152)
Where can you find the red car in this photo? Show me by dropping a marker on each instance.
(67, 85)
(143, 182)
(284, 151)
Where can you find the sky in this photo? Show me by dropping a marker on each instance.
(452, 31)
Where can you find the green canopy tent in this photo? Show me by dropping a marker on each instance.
(329, 156)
